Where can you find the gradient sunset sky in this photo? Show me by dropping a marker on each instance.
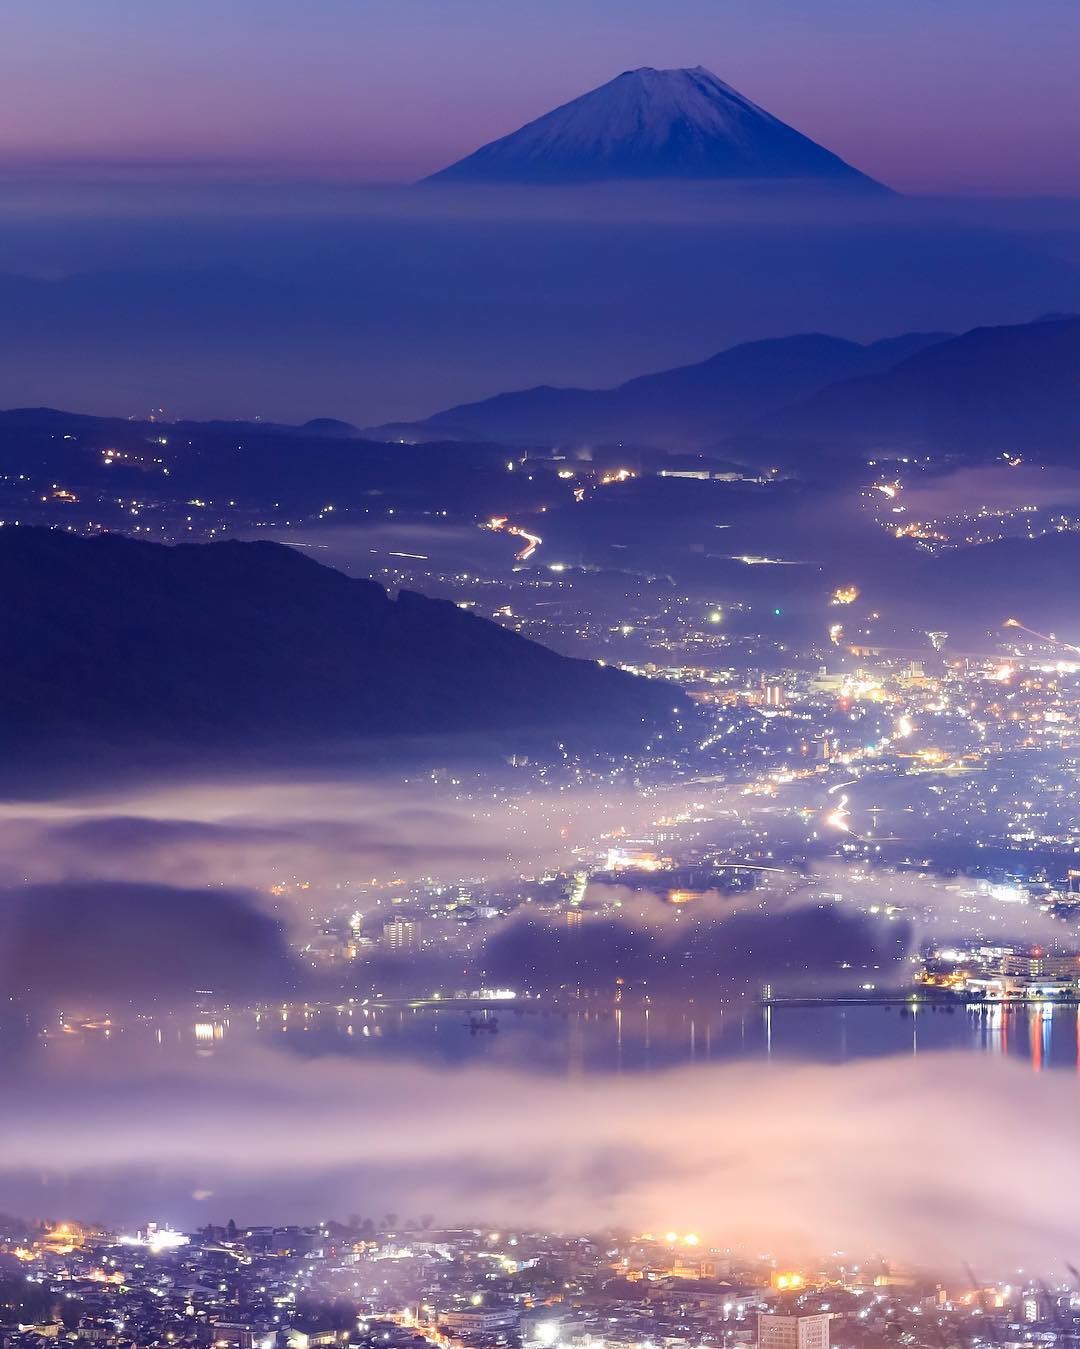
(935, 96)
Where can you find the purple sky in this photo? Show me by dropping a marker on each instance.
(928, 95)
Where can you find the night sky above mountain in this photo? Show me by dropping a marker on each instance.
(969, 96)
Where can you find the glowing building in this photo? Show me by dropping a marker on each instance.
(793, 1332)
(401, 934)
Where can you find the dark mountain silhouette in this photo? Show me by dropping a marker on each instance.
(692, 406)
(280, 468)
(989, 391)
(674, 124)
(811, 400)
(329, 426)
(115, 642)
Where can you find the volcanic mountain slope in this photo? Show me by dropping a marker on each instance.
(109, 640)
(690, 407)
(656, 124)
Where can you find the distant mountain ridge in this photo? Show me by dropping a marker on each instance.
(692, 406)
(799, 400)
(994, 389)
(656, 124)
(113, 642)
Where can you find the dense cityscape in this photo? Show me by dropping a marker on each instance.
(370, 1282)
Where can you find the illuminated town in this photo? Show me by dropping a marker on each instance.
(855, 841)
(410, 1282)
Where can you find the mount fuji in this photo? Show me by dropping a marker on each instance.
(655, 124)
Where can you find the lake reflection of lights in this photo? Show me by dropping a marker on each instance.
(992, 1023)
(1035, 1030)
(1046, 1034)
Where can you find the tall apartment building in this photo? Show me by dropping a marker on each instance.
(793, 1332)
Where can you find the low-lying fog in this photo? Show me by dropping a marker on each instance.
(135, 897)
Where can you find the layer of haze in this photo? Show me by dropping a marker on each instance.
(153, 890)
(91, 890)
(379, 304)
(890, 1155)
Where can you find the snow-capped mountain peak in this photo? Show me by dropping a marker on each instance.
(650, 123)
